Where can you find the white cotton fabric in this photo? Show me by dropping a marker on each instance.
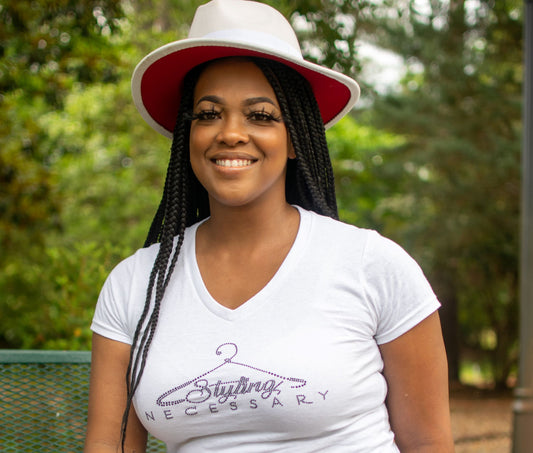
(296, 368)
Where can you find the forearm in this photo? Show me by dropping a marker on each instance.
(100, 447)
(103, 447)
(434, 446)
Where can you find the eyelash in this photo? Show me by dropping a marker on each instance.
(205, 115)
(263, 115)
(257, 115)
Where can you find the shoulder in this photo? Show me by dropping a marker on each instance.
(393, 285)
(138, 266)
(332, 229)
(365, 244)
(123, 295)
(143, 259)
(140, 262)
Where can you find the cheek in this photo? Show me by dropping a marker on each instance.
(197, 140)
(278, 144)
(197, 169)
(195, 146)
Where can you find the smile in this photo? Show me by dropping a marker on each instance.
(234, 162)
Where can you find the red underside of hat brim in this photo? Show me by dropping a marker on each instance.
(161, 82)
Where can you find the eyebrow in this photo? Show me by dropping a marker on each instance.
(258, 100)
(246, 103)
(210, 98)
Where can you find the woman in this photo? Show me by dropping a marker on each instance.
(253, 320)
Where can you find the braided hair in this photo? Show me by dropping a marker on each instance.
(309, 184)
(309, 181)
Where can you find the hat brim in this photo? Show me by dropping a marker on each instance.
(157, 79)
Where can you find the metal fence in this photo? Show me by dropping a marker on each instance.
(43, 401)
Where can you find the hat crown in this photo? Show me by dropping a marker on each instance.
(219, 19)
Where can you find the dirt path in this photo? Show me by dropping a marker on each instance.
(481, 424)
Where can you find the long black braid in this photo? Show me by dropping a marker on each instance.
(309, 184)
(184, 203)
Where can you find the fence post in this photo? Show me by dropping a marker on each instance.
(523, 402)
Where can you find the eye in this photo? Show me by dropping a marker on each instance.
(206, 115)
(263, 116)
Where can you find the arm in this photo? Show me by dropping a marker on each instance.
(107, 400)
(416, 371)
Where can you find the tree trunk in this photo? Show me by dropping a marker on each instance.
(450, 327)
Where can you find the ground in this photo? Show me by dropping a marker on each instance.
(481, 422)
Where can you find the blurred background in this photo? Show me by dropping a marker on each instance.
(430, 157)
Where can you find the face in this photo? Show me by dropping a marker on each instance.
(238, 142)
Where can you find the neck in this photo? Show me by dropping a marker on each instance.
(249, 226)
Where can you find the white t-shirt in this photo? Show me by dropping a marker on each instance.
(296, 368)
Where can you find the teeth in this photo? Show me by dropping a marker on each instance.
(233, 162)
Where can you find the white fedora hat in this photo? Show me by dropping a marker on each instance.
(226, 28)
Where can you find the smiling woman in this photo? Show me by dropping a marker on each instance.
(253, 320)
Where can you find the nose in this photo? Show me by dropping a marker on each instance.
(232, 132)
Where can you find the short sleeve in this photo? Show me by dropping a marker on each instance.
(123, 295)
(396, 288)
(110, 316)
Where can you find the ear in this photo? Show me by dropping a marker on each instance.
(291, 154)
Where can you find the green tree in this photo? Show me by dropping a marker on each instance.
(46, 49)
(459, 109)
(84, 171)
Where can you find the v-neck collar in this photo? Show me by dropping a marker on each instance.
(262, 296)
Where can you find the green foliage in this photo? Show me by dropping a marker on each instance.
(27, 204)
(47, 46)
(51, 266)
(459, 109)
(81, 173)
(363, 178)
(48, 296)
(112, 166)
